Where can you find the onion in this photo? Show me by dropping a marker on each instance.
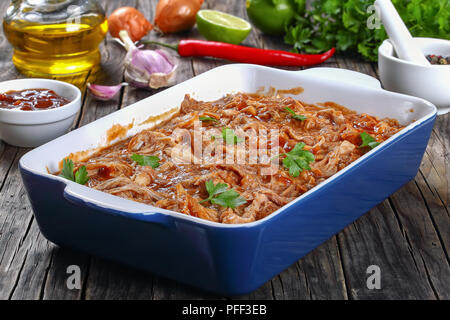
(176, 15)
(130, 20)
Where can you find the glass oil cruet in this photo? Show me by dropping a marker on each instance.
(55, 38)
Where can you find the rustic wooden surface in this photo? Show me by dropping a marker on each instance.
(407, 235)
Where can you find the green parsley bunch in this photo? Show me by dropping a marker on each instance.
(343, 24)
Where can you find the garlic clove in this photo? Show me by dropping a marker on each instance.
(147, 68)
(105, 93)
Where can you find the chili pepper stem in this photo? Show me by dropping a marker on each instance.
(170, 46)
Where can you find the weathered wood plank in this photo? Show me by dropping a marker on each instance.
(442, 130)
(423, 238)
(7, 155)
(111, 281)
(15, 222)
(7, 152)
(355, 63)
(55, 287)
(34, 272)
(438, 212)
(165, 289)
(378, 239)
(433, 182)
(324, 273)
(437, 170)
(265, 292)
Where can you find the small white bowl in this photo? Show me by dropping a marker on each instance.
(431, 82)
(33, 128)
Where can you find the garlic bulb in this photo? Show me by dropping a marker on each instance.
(147, 68)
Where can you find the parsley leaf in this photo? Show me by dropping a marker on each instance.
(220, 194)
(229, 137)
(207, 119)
(297, 160)
(151, 161)
(294, 115)
(229, 199)
(80, 176)
(67, 170)
(368, 141)
(215, 189)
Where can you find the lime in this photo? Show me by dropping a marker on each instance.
(270, 16)
(219, 26)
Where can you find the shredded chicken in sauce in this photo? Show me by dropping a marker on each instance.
(331, 132)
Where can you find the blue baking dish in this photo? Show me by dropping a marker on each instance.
(226, 259)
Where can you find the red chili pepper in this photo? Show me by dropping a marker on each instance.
(243, 54)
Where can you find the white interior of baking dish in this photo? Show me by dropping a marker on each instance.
(350, 89)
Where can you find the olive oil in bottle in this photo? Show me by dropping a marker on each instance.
(63, 40)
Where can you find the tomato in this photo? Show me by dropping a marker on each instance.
(272, 16)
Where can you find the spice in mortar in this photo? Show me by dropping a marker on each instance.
(436, 59)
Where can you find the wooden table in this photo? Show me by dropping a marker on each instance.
(407, 235)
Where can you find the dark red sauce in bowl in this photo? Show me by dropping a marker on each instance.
(31, 100)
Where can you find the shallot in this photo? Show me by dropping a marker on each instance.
(176, 15)
(131, 20)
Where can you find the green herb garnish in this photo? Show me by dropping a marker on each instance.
(351, 25)
(229, 136)
(207, 119)
(297, 160)
(368, 141)
(294, 115)
(80, 176)
(150, 161)
(220, 194)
